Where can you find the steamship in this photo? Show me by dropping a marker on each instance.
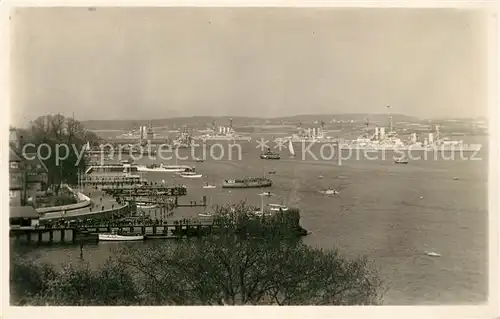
(223, 133)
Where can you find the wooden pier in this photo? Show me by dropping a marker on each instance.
(59, 235)
(89, 233)
(165, 200)
(115, 180)
(145, 190)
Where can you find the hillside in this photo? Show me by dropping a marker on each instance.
(201, 122)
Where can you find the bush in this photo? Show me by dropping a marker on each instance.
(74, 285)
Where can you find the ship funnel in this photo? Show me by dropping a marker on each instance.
(220, 129)
(377, 132)
(382, 133)
(431, 138)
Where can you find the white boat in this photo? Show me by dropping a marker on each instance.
(432, 254)
(329, 192)
(205, 215)
(163, 168)
(268, 194)
(290, 148)
(209, 186)
(115, 237)
(146, 206)
(401, 160)
(277, 208)
(190, 175)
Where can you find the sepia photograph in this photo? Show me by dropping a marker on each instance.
(221, 156)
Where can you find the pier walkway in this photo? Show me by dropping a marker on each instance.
(100, 201)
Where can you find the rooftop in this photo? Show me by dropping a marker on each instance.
(23, 212)
(13, 157)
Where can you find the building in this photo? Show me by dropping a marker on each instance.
(37, 173)
(17, 179)
(23, 216)
(27, 175)
(14, 141)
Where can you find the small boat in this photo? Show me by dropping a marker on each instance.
(277, 208)
(209, 186)
(199, 160)
(146, 206)
(290, 148)
(163, 168)
(268, 194)
(205, 215)
(329, 192)
(250, 182)
(432, 254)
(455, 178)
(401, 160)
(115, 237)
(190, 173)
(268, 155)
(272, 172)
(320, 176)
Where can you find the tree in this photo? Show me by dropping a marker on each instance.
(73, 285)
(53, 130)
(228, 270)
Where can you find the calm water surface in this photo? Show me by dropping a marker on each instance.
(391, 213)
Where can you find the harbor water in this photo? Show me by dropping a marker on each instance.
(391, 213)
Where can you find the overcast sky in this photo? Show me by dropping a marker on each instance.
(165, 62)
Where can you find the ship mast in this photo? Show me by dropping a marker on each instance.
(390, 118)
(367, 124)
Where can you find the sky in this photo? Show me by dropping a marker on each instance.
(146, 63)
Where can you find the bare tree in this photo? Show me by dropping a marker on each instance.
(229, 270)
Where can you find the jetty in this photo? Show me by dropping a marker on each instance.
(144, 190)
(88, 232)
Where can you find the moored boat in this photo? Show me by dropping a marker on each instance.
(116, 237)
(270, 155)
(146, 205)
(401, 160)
(330, 191)
(163, 168)
(277, 208)
(205, 215)
(190, 173)
(251, 182)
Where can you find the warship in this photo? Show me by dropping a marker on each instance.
(307, 135)
(390, 141)
(223, 133)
